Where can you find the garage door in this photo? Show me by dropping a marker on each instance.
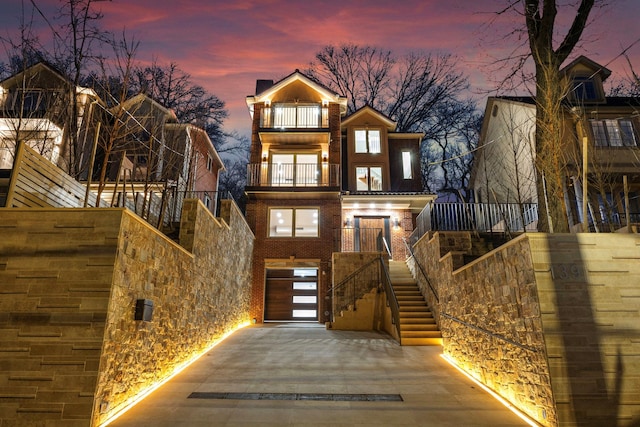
(291, 294)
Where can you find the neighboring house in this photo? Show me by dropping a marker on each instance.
(202, 165)
(606, 127)
(139, 150)
(34, 108)
(318, 184)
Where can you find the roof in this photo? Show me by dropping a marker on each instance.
(588, 63)
(325, 92)
(367, 109)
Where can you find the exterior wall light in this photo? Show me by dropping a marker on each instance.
(396, 222)
(144, 310)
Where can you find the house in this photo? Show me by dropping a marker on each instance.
(134, 154)
(318, 183)
(35, 108)
(603, 129)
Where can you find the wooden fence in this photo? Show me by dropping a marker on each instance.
(36, 182)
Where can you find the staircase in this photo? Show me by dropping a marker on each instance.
(417, 325)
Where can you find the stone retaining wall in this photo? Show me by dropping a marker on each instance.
(550, 322)
(70, 348)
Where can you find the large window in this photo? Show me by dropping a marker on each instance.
(293, 222)
(368, 141)
(613, 133)
(294, 170)
(369, 178)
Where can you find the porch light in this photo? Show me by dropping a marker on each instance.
(325, 103)
(347, 222)
(396, 222)
(265, 157)
(267, 103)
(325, 157)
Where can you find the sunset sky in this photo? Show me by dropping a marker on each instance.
(227, 45)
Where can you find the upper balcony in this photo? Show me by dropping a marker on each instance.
(294, 116)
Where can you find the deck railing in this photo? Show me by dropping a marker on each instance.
(476, 217)
(293, 175)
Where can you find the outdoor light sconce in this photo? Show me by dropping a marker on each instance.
(325, 158)
(347, 222)
(144, 310)
(265, 157)
(396, 222)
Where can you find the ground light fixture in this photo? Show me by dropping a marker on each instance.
(495, 395)
(153, 387)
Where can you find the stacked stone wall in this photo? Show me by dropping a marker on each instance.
(490, 320)
(198, 295)
(549, 321)
(70, 349)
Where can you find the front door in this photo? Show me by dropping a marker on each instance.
(291, 294)
(370, 232)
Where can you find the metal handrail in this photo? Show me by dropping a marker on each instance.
(424, 274)
(392, 300)
(343, 283)
(384, 279)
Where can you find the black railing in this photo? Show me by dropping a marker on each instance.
(476, 217)
(164, 208)
(292, 116)
(372, 275)
(293, 175)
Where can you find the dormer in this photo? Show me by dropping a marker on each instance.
(585, 81)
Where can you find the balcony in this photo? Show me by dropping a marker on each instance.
(293, 175)
(294, 116)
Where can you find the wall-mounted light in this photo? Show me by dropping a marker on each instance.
(325, 103)
(144, 310)
(396, 222)
(325, 157)
(265, 157)
(347, 222)
(267, 103)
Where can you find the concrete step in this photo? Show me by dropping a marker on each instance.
(415, 309)
(421, 341)
(414, 314)
(421, 321)
(410, 298)
(420, 327)
(420, 334)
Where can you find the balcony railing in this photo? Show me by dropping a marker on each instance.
(283, 116)
(293, 175)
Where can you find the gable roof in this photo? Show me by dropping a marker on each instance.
(588, 63)
(297, 76)
(367, 109)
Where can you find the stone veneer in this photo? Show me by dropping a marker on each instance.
(71, 350)
(550, 322)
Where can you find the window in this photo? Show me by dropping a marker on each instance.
(209, 163)
(584, 89)
(613, 133)
(407, 173)
(367, 141)
(298, 170)
(293, 222)
(368, 178)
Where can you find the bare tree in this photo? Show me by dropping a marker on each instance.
(173, 88)
(421, 92)
(75, 43)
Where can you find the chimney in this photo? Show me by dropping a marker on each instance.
(262, 85)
